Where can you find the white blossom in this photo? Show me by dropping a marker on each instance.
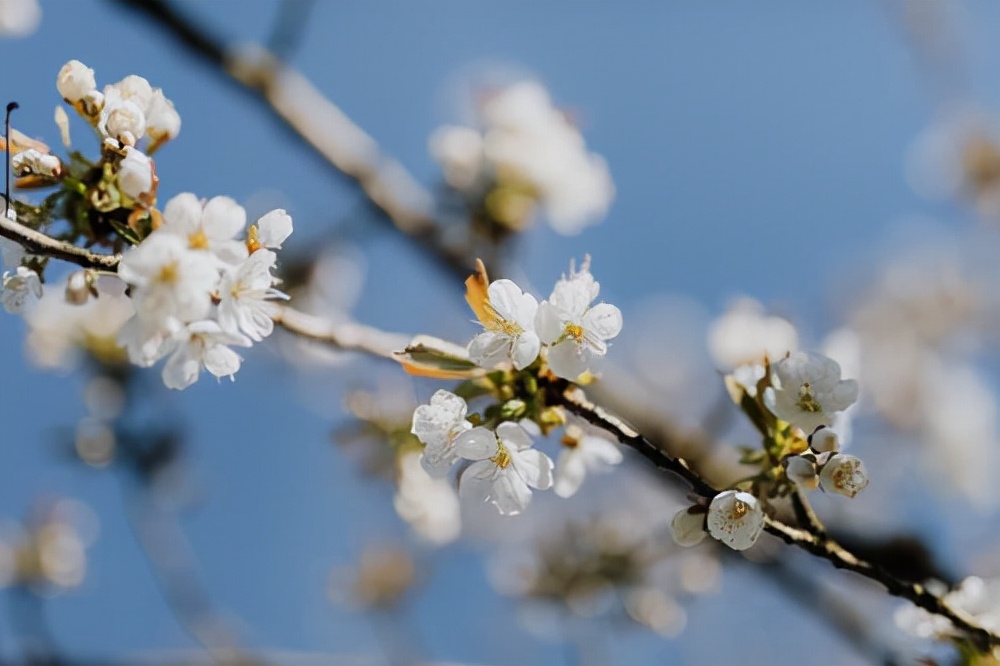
(505, 467)
(429, 505)
(162, 120)
(807, 390)
(437, 425)
(135, 173)
(244, 293)
(575, 331)
(203, 344)
(20, 288)
(272, 229)
(75, 80)
(210, 225)
(510, 328)
(745, 334)
(688, 526)
(843, 474)
(34, 162)
(582, 452)
(736, 519)
(459, 150)
(802, 471)
(59, 329)
(123, 120)
(975, 596)
(19, 18)
(824, 440)
(169, 279)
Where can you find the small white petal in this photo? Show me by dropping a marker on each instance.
(274, 228)
(534, 467)
(526, 349)
(476, 444)
(688, 528)
(736, 519)
(603, 319)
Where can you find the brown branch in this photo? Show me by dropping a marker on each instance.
(561, 392)
(35, 242)
(319, 124)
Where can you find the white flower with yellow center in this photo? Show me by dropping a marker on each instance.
(168, 279)
(807, 390)
(735, 518)
(582, 452)
(210, 225)
(843, 474)
(244, 294)
(575, 332)
(509, 320)
(203, 344)
(437, 425)
(505, 467)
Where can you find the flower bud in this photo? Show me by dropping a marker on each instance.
(843, 474)
(824, 440)
(124, 121)
(736, 519)
(75, 81)
(33, 162)
(79, 287)
(135, 173)
(802, 471)
(688, 526)
(162, 120)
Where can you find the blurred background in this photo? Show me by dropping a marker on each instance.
(832, 162)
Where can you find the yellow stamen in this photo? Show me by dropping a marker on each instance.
(168, 273)
(494, 322)
(574, 331)
(739, 509)
(502, 458)
(198, 240)
(253, 243)
(807, 403)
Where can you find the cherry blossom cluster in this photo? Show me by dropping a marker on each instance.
(500, 464)
(109, 201)
(199, 287)
(793, 404)
(524, 152)
(568, 331)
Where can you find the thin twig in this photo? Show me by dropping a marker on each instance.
(320, 124)
(573, 398)
(35, 242)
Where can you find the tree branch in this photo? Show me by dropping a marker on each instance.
(571, 397)
(36, 242)
(318, 123)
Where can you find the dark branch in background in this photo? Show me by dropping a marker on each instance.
(561, 392)
(321, 125)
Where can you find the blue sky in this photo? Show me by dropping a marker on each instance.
(755, 151)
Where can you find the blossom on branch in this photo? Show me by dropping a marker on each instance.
(807, 389)
(508, 316)
(437, 425)
(576, 332)
(504, 467)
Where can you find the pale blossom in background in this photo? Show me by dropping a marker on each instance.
(430, 505)
(582, 452)
(19, 18)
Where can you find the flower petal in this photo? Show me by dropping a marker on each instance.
(604, 320)
(534, 467)
(476, 444)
